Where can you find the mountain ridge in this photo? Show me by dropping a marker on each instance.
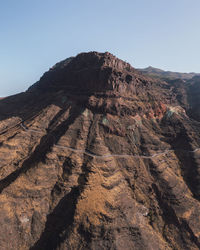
(156, 72)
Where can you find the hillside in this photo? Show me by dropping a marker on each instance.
(97, 155)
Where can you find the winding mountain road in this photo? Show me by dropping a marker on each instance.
(116, 155)
(85, 152)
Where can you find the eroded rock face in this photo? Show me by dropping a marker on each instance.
(97, 156)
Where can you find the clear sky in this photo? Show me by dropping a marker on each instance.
(35, 34)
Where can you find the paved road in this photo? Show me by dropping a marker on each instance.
(111, 155)
(105, 156)
(118, 155)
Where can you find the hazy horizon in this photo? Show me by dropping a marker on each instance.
(36, 35)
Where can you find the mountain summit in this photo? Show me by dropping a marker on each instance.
(96, 155)
(88, 72)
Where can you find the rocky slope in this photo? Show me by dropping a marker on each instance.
(98, 156)
(186, 87)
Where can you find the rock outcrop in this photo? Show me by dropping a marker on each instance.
(96, 155)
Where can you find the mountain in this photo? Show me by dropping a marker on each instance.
(154, 72)
(97, 155)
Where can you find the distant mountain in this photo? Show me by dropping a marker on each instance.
(158, 73)
(96, 155)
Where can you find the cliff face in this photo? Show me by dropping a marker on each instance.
(97, 156)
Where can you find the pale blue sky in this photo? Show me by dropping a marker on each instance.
(35, 34)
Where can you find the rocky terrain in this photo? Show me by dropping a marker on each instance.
(96, 155)
(159, 73)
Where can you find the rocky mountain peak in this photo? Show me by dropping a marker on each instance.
(87, 72)
(94, 59)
